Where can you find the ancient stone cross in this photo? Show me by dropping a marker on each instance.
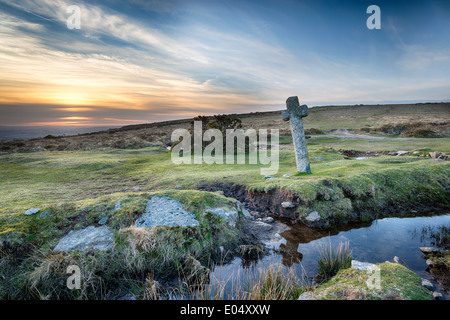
(295, 112)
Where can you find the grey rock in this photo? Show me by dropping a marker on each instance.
(269, 177)
(402, 153)
(165, 211)
(32, 211)
(240, 208)
(437, 296)
(313, 217)
(429, 263)
(399, 261)
(263, 226)
(45, 213)
(117, 206)
(294, 113)
(103, 220)
(308, 295)
(287, 204)
(358, 265)
(89, 238)
(427, 284)
(319, 158)
(268, 220)
(287, 175)
(229, 216)
(429, 250)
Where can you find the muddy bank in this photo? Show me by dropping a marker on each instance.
(332, 202)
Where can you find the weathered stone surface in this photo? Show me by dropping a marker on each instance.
(358, 265)
(306, 296)
(263, 226)
(103, 220)
(429, 250)
(117, 206)
(268, 220)
(45, 213)
(229, 216)
(427, 284)
(313, 217)
(29, 212)
(165, 211)
(319, 158)
(89, 238)
(294, 113)
(287, 204)
(269, 177)
(240, 208)
(429, 263)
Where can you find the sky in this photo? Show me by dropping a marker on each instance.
(144, 61)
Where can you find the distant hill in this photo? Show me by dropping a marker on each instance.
(366, 118)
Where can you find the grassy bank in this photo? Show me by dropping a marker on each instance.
(139, 259)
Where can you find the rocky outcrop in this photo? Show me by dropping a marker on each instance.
(165, 211)
(89, 238)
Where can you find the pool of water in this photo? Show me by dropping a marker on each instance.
(375, 242)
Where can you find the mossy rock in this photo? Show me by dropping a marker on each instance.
(396, 283)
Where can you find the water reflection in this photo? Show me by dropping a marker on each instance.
(375, 242)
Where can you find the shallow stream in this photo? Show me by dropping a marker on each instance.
(375, 242)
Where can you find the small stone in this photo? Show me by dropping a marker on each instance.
(399, 261)
(287, 175)
(319, 158)
(437, 295)
(402, 153)
(306, 296)
(287, 204)
(268, 220)
(313, 216)
(178, 186)
(263, 225)
(29, 212)
(427, 284)
(269, 177)
(429, 263)
(44, 214)
(103, 220)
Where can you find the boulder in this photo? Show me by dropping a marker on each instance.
(165, 211)
(402, 153)
(89, 238)
(102, 221)
(437, 296)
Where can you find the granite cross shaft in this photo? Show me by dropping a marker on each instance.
(294, 113)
